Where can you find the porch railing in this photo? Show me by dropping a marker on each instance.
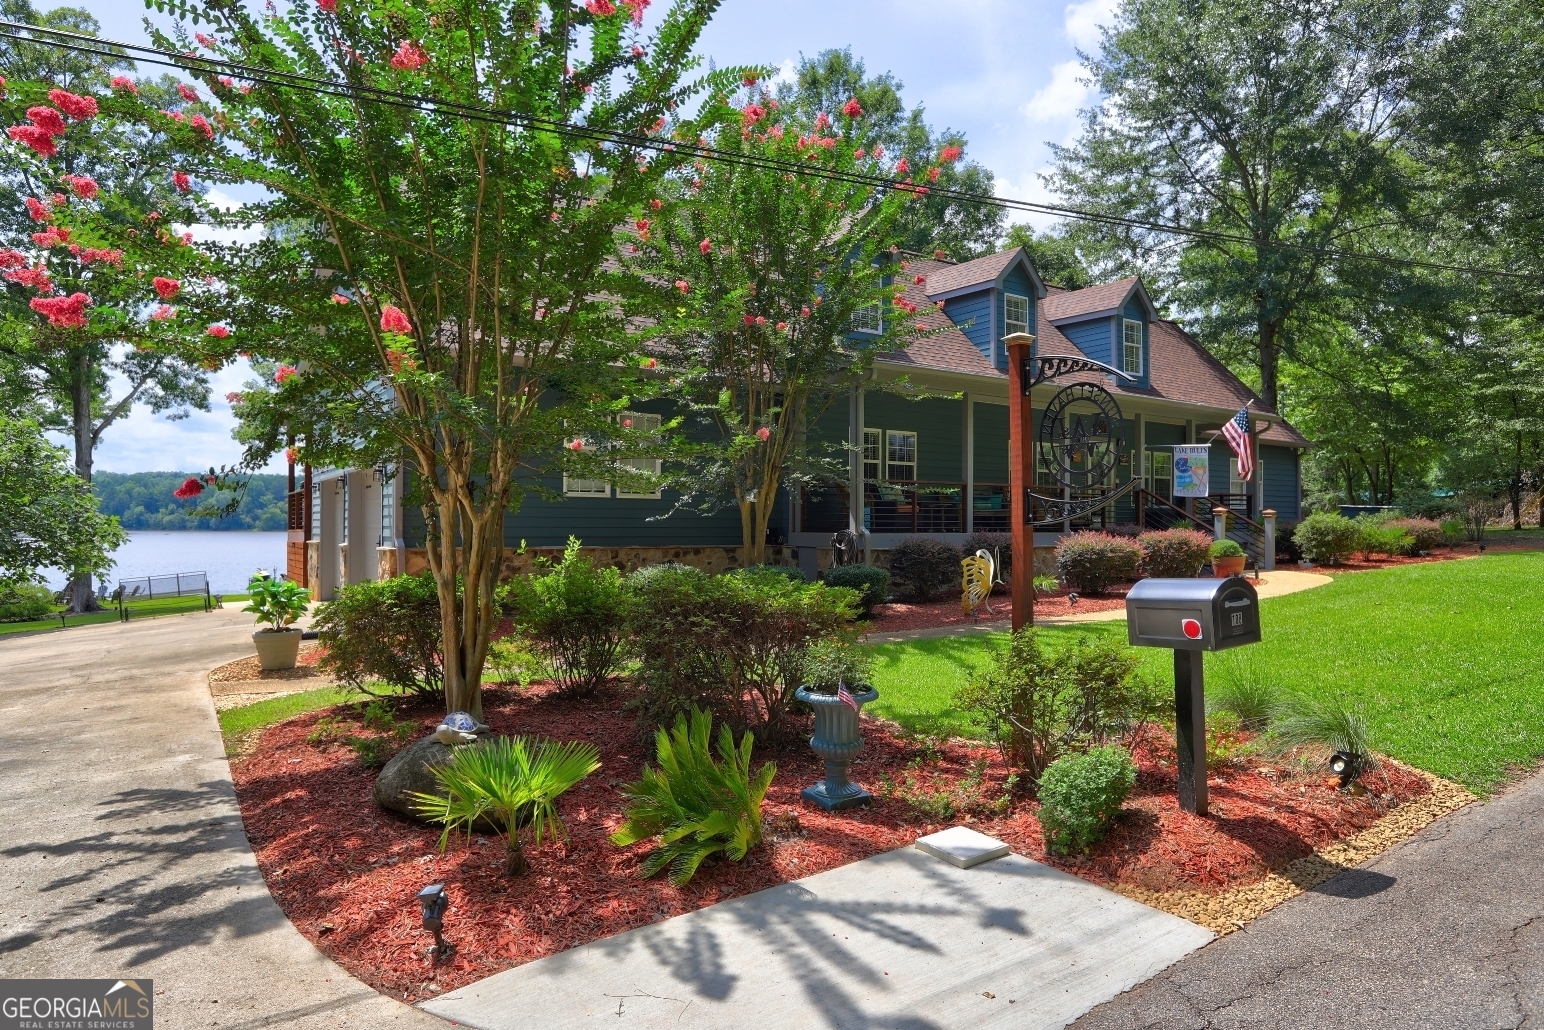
(1155, 512)
(914, 506)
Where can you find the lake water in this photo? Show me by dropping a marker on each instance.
(229, 559)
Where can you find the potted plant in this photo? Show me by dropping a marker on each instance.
(836, 686)
(1227, 559)
(278, 603)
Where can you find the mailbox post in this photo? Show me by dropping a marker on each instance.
(1191, 616)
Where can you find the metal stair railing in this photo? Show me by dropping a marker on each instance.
(1153, 512)
(1248, 534)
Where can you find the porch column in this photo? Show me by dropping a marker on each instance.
(1190, 502)
(968, 462)
(1139, 470)
(855, 465)
(1220, 523)
(1257, 485)
(1021, 472)
(1268, 518)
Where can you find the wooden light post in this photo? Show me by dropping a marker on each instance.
(1021, 465)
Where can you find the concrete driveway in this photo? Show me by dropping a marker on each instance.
(122, 852)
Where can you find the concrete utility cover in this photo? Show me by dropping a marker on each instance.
(898, 941)
(962, 847)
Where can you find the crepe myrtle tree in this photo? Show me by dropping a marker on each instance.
(436, 285)
(762, 279)
(106, 281)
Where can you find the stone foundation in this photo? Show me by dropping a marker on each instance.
(708, 559)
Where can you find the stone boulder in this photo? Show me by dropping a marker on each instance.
(411, 771)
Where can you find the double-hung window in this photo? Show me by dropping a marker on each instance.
(1131, 347)
(868, 319)
(1015, 314)
(585, 487)
(643, 422)
(871, 455)
(900, 456)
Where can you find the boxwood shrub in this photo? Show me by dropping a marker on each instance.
(386, 631)
(1173, 553)
(925, 566)
(1081, 794)
(1089, 562)
(871, 582)
(1326, 537)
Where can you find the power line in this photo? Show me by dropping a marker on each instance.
(197, 63)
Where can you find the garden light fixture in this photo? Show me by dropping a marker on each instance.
(433, 901)
(1345, 765)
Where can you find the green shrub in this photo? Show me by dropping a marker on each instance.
(574, 618)
(835, 661)
(1090, 562)
(733, 645)
(512, 782)
(1225, 549)
(511, 660)
(999, 546)
(1173, 553)
(1453, 530)
(1080, 796)
(1038, 704)
(924, 566)
(1387, 539)
(692, 805)
(1425, 534)
(1046, 584)
(386, 631)
(870, 581)
(1326, 537)
(790, 572)
(277, 602)
(21, 601)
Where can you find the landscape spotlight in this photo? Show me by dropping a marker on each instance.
(1345, 765)
(433, 900)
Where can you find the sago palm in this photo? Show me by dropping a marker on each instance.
(512, 782)
(694, 805)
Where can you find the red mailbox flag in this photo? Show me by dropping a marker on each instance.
(1192, 629)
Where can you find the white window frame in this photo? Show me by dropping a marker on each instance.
(1149, 470)
(650, 423)
(585, 487)
(1012, 325)
(873, 438)
(916, 454)
(869, 319)
(1128, 348)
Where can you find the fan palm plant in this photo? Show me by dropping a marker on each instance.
(513, 782)
(694, 805)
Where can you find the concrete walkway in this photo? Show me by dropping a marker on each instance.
(1270, 584)
(1443, 931)
(900, 941)
(121, 846)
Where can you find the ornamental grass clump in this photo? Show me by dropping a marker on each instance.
(1173, 553)
(574, 618)
(1090, 562)
(693, 805)
(1330, 725)
(513, 782)
(1080, 796)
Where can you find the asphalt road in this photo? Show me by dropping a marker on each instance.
(1444, 931)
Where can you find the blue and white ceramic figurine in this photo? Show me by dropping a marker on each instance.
(458, 728)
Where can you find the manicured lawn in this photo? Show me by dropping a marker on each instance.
(137, 610)
(1446, 660)
(235, 722)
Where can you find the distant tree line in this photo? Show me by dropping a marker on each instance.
(143, 500)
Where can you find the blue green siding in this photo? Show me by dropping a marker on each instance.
(1094, 337)
(991, 443)
(1280, 467)
(1163, 434)
(973, 314)
(937, 423)
(1016, 281)
(1134, 310)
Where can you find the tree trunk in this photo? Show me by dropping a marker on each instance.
(514, 854)
(1270, 359)
(79, 593)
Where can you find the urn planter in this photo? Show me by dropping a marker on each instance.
(277, 649)
(837, 741)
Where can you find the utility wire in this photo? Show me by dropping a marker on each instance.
(197, 63)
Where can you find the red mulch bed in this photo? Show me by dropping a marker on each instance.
(1367, 563)
(904, 615)
(346, 872)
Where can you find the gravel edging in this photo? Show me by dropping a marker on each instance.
(1234, 909)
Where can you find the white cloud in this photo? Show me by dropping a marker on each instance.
(1030, 187)
(1059, 99)
(1084, 19)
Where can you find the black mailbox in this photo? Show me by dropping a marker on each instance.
(1193, 614)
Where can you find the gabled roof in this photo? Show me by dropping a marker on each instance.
(948, 280)
(1062, 306)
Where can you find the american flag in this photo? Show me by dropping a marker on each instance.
(845, 696)
(1236, 432)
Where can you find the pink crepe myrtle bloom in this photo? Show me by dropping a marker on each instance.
(938, 304)
(48, 120)
(191, 487)
(175, 116)
(919, 280)
(291, 455)
(203, 40)
(648, 363)
(227, 82)
(330, 6)
(187, 92)
(682, 285)
(30, 135)
(656, 203)
(79, 108)
(83, 186)
(409, 56)
(163, 313)
(902, 166)
(62, 312)
(218, 331)
(705, 246)
(394, 321)
(283, 374)
(398, 361)
(12, 259)
(822, 121)
(75, 250)
(234, 397)
(165, 288)
(761, 320)
(764, 434)
(2, 85)
(879, 151)
(642, 225)
(600, 8)
(637, 8)
(48, 240)
(932, 173)
(338, 298)
(782, 327)
(749, 81)
(107, 257)
(859, 154)
(805, 311)
(752, 114)
(201, 123)
(187, 239)
(638, 51)
(124, 83)
(939, 254)
(749, 320)
(949, 154)
(182, 181)
(576, 445)
(554, 216)
(36, 277)
(38, 210)
(852, 108)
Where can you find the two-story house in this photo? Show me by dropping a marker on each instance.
(935, 466)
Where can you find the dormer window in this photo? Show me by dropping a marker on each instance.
(1131, 349)
(1015, 314)
(868, 319)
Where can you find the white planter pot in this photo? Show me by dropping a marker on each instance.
(277, 650)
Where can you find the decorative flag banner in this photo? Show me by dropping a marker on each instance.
(1192, 470)
(845, 696)
(1236, 432)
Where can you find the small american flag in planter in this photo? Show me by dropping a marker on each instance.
(845, 696)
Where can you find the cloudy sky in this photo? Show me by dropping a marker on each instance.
(1004, 72)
